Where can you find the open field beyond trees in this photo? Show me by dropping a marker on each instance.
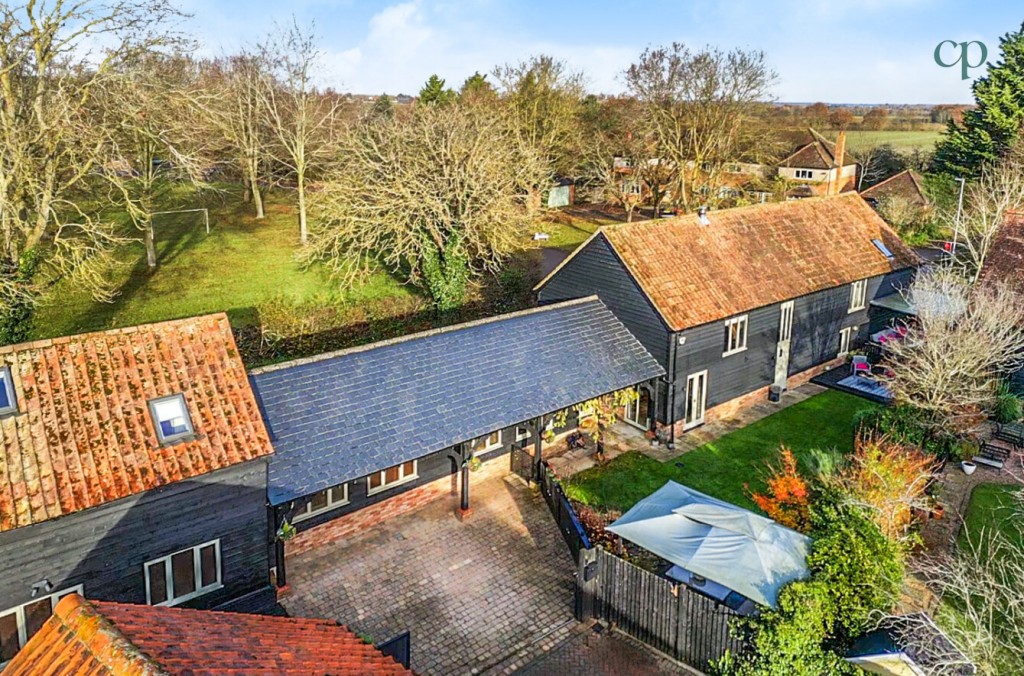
(724, 468)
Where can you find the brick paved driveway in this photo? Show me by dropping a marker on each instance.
(589, 653)
(472, 593)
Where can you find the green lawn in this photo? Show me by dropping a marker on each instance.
(721, 468)
(991, 506)
(860, 141)
(241, 263)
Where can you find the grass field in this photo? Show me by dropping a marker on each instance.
(860, 141)
(241, 263)
(724, 467)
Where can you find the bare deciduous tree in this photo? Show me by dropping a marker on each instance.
(543, 98)
(964, 341)
(155, 142)
(701, 107)
(49, 73)
(983, 608)
(301, 118)
(232, 101)
(986, 202)
(436, 196)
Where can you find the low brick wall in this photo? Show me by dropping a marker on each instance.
(730, 408)
(402, 503)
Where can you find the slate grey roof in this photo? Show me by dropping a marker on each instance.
(345, 415)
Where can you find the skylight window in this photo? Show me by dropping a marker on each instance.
(170, 418)
(883, 248)
(8, 400)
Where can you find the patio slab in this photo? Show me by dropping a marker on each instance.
(471, 593)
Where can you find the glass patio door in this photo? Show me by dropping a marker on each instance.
(696, 399)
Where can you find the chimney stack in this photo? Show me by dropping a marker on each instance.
(840, 156)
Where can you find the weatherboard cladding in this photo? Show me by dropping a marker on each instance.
(346, 416)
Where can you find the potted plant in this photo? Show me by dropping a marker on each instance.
(966, 450)
(473, 463)
(652, 437)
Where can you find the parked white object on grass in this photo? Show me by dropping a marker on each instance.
(538, 236)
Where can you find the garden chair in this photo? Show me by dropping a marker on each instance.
(860, 365)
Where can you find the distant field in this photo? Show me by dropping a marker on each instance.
(903, 141)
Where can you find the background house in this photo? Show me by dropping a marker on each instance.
(819, 168)
(907, 185)
(732, 302)
(132, 468)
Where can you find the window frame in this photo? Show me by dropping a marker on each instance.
(8, 386)
(384, 485)
(197, 572)
(19, 612)
(729, 323)
(805, 174)
(307, 512)
(173, 438)
(488, 447)
(525, 436)
(786, 312)
(858, 294)
(846, 335)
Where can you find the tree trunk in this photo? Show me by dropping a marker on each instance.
(303, 234)
(253, 188)
(150, 243)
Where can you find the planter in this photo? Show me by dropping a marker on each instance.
(938, 511)
(654, 443)
(968, 467)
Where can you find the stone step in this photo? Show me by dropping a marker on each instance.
(991, 462)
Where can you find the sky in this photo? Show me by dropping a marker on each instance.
(839, 51)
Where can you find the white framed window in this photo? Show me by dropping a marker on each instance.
(171, 419)
(858, 295)
(183, 575)
(392, 476)
(19, 624)
(488, 443)
(323, 501)
(845, 338)
(8, 399)
(735, 335)
(804, 173)
(786, 321)
(522, 433)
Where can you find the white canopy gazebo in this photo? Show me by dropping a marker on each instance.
(740, 550)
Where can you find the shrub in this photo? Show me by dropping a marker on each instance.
(855, 572)
(1008, 406)
(887, 478)
(788, 498)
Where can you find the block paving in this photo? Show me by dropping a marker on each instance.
(472, 593)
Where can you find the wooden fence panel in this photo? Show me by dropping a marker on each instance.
(689, 626)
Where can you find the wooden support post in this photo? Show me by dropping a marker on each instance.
(538, 447)
(281, 578)
(464, 509)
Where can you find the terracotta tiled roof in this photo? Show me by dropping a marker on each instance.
(1005, 261)
(83, 434)
(84, 638)
(907, 184)
(813, 155)
(754, 256)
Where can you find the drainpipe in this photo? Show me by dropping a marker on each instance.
(464, 476)
(671, 379)
(538, 447)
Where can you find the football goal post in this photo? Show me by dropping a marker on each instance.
(205, 212)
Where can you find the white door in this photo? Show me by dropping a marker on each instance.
(696, 399)
(638, 407)
(782, 349)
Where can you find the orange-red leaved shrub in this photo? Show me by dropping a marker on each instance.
(787, 499)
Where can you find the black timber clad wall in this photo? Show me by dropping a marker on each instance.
(105, 547)
(429, 468)
(817, 320)
(597, 270)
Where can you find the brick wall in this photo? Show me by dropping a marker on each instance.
(730, 408)
(402, 503)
